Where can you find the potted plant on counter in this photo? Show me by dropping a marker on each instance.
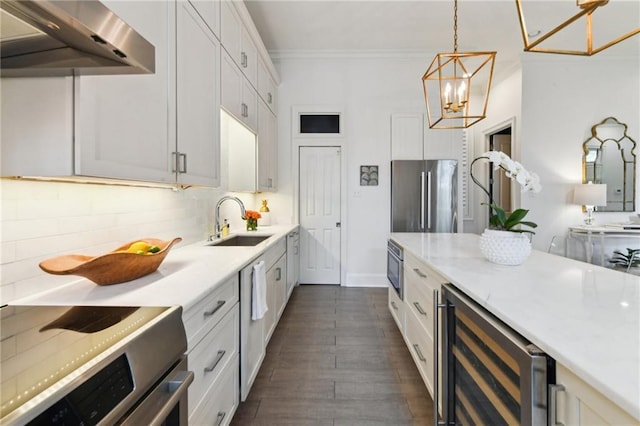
(505, 242)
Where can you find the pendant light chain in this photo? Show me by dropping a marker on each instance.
(455, 26)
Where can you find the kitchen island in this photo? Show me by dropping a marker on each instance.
(584, 316)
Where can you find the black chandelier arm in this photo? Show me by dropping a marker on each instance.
(476, 180)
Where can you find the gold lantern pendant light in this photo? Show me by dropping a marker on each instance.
(462, 81)
(565, 37)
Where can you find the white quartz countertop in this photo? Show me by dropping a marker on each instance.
(186, 275)
(584, 316)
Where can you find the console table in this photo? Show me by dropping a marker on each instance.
(590, 234)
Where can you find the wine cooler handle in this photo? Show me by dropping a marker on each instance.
(436, 358)
(422, 177)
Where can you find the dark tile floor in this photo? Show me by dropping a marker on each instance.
(337, 359)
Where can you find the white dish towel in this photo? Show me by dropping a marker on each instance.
(259, 291)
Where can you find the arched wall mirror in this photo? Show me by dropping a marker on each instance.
(610, 158)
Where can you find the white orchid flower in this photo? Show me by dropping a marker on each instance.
(530, 182)
(494, 156)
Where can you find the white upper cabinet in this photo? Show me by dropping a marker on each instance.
(411, 139)
(407, 136)
(123, 124)
(45, 149)
(267, 149)
(236, 40)
(198, 98)
(238, 96)
(249, 58)
(209, 10)
(267, 88)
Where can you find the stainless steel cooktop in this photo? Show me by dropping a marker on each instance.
(48, 351)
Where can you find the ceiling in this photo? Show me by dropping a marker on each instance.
(402, 26)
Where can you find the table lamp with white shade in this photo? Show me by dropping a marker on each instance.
(590, 195)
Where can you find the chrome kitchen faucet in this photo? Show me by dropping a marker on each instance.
(216, 218)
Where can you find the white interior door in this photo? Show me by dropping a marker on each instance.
(319, 215)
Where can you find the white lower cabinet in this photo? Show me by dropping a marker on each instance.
(293, 261)
(213, 338)
(255, 334)
(276, 292)
(221, 403)
(580, 404)
(421, 347)
(414, 314)
(396, 306)
(252, 332)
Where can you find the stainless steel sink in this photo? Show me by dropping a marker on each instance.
(240, 241)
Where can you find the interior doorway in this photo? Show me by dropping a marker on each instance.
(499, 183)
(320, 210)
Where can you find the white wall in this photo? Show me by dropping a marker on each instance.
(504, 108)
(369, 89)
(563, 97)
(555, 100)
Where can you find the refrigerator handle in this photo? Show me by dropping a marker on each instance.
(429, 200)
(422, 201)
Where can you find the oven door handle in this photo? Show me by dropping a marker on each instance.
(157, 406)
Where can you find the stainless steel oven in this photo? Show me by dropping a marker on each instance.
(491, 375)
(395, 259)
(91, 365)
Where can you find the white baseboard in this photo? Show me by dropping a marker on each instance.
(367, 280)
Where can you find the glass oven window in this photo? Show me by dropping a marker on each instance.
(487, 378)
(393, 270)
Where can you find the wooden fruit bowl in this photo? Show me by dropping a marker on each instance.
(113, 267)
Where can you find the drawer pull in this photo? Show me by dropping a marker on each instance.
(419, 352)
(220, 418)
(393, 304)
(215, 309)
(278, 274)
(419, 272)
(419, 308)
(215, 362)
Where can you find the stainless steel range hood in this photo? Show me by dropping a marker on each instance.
(69, 37)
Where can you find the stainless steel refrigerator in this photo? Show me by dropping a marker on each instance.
(424, 196)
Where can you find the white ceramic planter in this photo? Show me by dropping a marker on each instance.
(504, 247)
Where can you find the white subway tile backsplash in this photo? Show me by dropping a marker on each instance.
(41, 220)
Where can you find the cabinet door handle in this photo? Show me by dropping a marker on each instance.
(419, 308)
(278, 274)
(244, 60)
(269, 98)
(393, 304)
(296, 250)
(215, 362)
(419, 272)
(174, 162)
(215, 309)
(182, 162)
(553, 404)
(270, 180)
(244, 110)
(220, 418)
(419, 352)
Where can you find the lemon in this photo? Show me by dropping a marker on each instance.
(138, 246)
